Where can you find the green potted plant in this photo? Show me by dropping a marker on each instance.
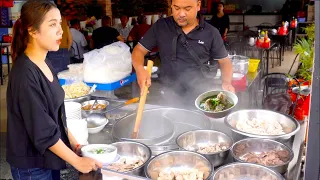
(305, 48)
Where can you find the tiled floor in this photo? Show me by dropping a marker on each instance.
(124, 93)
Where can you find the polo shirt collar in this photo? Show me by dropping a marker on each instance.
(200, 25)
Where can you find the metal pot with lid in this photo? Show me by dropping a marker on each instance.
(160, 127)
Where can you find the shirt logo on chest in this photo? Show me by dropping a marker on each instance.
(200, 42)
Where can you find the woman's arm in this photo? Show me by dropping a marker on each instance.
(227, 25)
(72, 140)
(225, 32)
(61, 150)
(84, 165)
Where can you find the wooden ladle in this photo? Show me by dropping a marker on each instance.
(142, 102)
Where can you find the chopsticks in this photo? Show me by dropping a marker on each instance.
(142, 102)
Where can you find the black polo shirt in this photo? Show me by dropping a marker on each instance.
(104, 36)
(204, 39)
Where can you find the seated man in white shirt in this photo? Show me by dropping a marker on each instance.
(123, 28)
(79, 41)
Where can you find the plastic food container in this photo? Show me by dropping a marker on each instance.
(240, 64)
(253, 65)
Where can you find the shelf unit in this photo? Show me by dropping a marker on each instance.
(237, 23)
(208, 18)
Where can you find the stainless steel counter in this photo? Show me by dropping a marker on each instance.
(105, 137)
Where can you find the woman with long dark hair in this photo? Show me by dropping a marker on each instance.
(220, 20)
(38, 141)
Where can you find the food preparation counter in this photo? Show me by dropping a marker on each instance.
(105, 137)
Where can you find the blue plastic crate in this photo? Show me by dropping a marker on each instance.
(4, 59)
(110, 86)
(3, 31)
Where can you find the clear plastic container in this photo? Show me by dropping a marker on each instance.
(240, 64)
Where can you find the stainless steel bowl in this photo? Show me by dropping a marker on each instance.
(250, 171)
(231, 97)
(96, 122)
(258, 146)
(289, 124)
(79, 99)
(192, 140)
(175, 160)
(86, 113)
(136, 150)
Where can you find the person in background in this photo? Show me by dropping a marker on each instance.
(139, 30)
(61, 59)
(290, 9)
(79, 41)
(105, 35)
(221, 21)
(124, 28)
(39, 142)
(134, 22)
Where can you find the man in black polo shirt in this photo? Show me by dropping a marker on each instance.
(180, 74)
(105, 35)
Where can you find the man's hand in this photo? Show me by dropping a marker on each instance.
(228, 87)
(226, 71)
(144, 79)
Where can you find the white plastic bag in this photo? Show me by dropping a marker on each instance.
(108, 64)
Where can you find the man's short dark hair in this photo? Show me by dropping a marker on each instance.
(74, 22)
(220, 3)
(105, 18)
(124, 16)
(141, 19)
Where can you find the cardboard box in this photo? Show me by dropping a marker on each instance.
(311, 8)
(310, 16)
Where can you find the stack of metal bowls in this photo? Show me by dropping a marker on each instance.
(289, 124)
(192, 140)
(178, 161)
(260, 146)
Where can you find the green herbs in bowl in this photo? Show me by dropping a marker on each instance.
(103, 153)
(216, 103)
(101, 150)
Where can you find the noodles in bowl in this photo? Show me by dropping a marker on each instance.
(75, 90)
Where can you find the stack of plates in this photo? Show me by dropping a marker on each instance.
(73, 110)
(79, 130)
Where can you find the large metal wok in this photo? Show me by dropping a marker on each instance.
(160, 127)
